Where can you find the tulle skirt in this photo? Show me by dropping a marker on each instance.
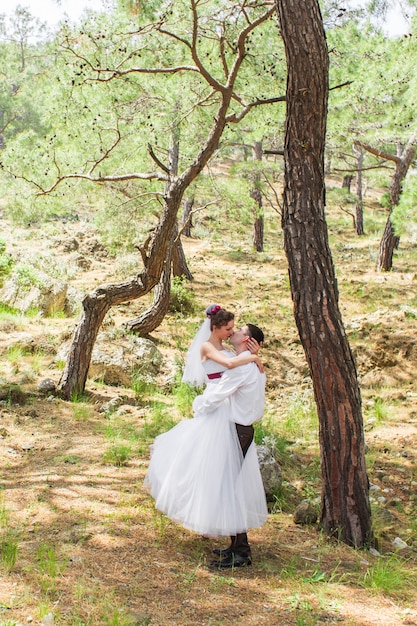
(199, 478)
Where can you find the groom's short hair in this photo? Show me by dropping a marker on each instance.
(256, 333)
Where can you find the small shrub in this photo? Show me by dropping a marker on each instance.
(142, 385)
(26, 277)
(182, 299)
(117, 454)
(381, 410)
(81, 412)
(159, 421)
(6, 262)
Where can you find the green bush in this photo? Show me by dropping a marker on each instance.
(182, 299)
(6, 262)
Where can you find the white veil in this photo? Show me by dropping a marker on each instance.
(194, 373)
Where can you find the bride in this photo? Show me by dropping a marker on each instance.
(197, 474)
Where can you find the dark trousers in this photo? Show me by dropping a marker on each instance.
(239, 543)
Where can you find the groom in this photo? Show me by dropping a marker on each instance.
(244, 386)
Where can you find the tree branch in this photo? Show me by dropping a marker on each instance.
(157, 161)
(188, 220)
(378, 153)
(141, 70)
(348, 82)
(279, 152)
(99, 179)
(236, 118)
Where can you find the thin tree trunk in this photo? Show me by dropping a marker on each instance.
(347, 181)
(258, 233)
(345, 508)
(154, 315)
(187, 221)
(359, 202)
(258, 224)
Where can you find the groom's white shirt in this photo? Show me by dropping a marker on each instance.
(243, 388)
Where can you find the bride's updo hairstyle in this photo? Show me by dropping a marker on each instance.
(218, 317)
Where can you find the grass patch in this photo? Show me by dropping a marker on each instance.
(183, 395)
(82, 412)
(300, 421)
(391, 575)
(8, 549)
(117, 454)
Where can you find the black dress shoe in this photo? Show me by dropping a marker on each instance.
(222, 553)
(232, 561)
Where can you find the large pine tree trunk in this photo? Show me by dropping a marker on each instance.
(345, 509)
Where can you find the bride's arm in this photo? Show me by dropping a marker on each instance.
(208, 351)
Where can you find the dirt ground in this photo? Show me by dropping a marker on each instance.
(117, 561)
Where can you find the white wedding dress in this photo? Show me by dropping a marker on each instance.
(199, 478)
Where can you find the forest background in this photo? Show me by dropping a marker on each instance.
(80, 540)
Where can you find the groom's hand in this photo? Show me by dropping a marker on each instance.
(252, 345)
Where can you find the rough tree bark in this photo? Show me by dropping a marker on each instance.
(345, 509)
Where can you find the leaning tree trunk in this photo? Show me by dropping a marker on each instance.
(345, 508)
(152, 317)
(403, 159)
(390, 241)
(102, 299)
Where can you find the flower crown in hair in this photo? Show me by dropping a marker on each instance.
(212, 309)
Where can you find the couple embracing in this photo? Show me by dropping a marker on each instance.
(204, 473)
